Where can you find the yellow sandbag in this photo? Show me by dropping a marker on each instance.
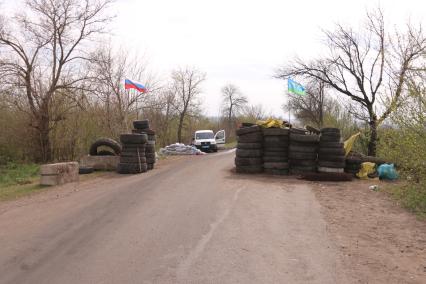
(366, 169)
(270, 123)
(350, 143)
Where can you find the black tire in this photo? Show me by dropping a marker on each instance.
(125, 168)
(249, 146)
(331, 151)
(302, 156)
(150, 148)
(297, 170)
(150, 167)
(248, 130)
(275, 132)
(283, 145)
(151, 137)
(85, 170)
(375, 160)
(132, 160)
(276, 149)
(141, 124)
(247, 124)
(242, 153)
(275, 159)
(298, 131)
(329, 138)
(353, 160)
(106, 153)
(304, 144)
(331, 158)
(276, 172)
(331, 130)
(304, 138)
(133, 138)
(276, 139)
(267, 153)
(150, 155)
(328, 164)
(353, 167)
(303, 163)
(144, 131)
(248, 161)
(254, 137)
(351, 171)
(150, 161)
(134, 146)
(303, 149)
(276, 165)
(331, 144)
(249, 169)
(114, 145)
(133, 153)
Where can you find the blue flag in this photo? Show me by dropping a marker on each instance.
(295, 88)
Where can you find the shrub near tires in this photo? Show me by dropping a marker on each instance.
(331, 158)
(275, 150)
(249, 150)
(303, 151)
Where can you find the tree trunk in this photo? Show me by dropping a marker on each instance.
(44, 144)
(372, 144)
(179, 132)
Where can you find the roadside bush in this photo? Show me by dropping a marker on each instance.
(12, 174)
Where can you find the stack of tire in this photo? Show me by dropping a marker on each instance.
(275, 151)
(331, 157)
(132, 157)
(353, 163)
(249, 150)
(303, 151)
(142, 127)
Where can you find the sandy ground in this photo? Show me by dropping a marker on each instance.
(193, 220)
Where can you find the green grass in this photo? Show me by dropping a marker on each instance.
(411, 196)
(17, 180)
(17, 174)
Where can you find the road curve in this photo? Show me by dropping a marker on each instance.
(191, 221)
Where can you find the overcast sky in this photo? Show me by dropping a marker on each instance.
(239, 41)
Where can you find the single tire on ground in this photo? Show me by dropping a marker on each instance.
(85, 170)
(114, 145)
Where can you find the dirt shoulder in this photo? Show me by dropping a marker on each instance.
(380, 241)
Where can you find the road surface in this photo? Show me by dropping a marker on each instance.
(190, 221)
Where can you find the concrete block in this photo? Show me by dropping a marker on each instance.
(59, 173)
(100, 163)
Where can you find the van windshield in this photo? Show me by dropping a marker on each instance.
(204, 135)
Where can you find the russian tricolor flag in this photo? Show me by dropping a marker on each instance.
(134, 85)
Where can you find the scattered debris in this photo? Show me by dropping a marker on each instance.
(180, 149)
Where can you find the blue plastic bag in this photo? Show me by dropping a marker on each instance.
(387, 171)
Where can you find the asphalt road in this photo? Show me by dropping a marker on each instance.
(190, 221)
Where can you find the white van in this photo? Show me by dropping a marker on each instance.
(206, 140)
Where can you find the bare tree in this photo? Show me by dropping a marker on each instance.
(108, 72)
(186, 86)
(233, 103)
(41, 55)
(252, 113)
(309, 108)
(369, 67)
